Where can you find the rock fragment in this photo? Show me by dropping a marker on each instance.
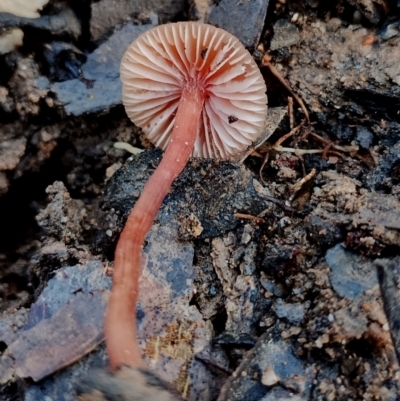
(244, 19)
(293, 313)
(269, 372)
(65, 23)
(285, 35)
(373, 10)
(100, 86)
(351, 274)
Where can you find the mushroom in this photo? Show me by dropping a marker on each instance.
(22, 8)
(194, 90)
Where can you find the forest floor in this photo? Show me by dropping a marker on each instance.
(273, 277)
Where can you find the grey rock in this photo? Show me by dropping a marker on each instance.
(248, 266)
(100, 87)
(364, 137)
(42, 83)
(9, 325)
(63, 287)
(244, 19)
(127, 383)
(370, 9)
(350, 274)
(285, 35)
(107, 14)
(75, 329)
(322, 232)
(275, 288)
(294, 313)
(61, 386)
(389, 279)
(216, 189)
(269, 353)
(63, 23)
(63, 61)
(376, 179)
(390, 31)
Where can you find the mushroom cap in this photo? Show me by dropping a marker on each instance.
(164, 60)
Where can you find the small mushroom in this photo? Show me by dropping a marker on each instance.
(22, 8)
(194, 90)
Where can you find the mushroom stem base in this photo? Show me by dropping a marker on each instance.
(120, 322)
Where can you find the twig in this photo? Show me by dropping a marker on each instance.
(278, 202)
(265, 161)
(289, 134)
(257, 219)
(290, 112)
(266, 62)
(299, 185)
(326, 150)
(350, 149)
(297, 151)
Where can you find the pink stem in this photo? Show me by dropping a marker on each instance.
(120, 322)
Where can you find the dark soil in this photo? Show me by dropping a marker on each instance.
(270, 277)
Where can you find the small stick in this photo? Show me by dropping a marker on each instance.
(266, 62)
(297, 187)
(290, 112)
(265, 161)
(279, 203)
(350, 149)
(289, 134)
(298, 151)
(326, 150)
(257, 219)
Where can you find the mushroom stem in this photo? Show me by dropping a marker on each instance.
(120, 323)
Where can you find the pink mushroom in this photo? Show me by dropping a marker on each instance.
(194, 90)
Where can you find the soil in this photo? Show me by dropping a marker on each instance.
(273, 276)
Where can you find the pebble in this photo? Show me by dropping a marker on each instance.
(350, 274)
